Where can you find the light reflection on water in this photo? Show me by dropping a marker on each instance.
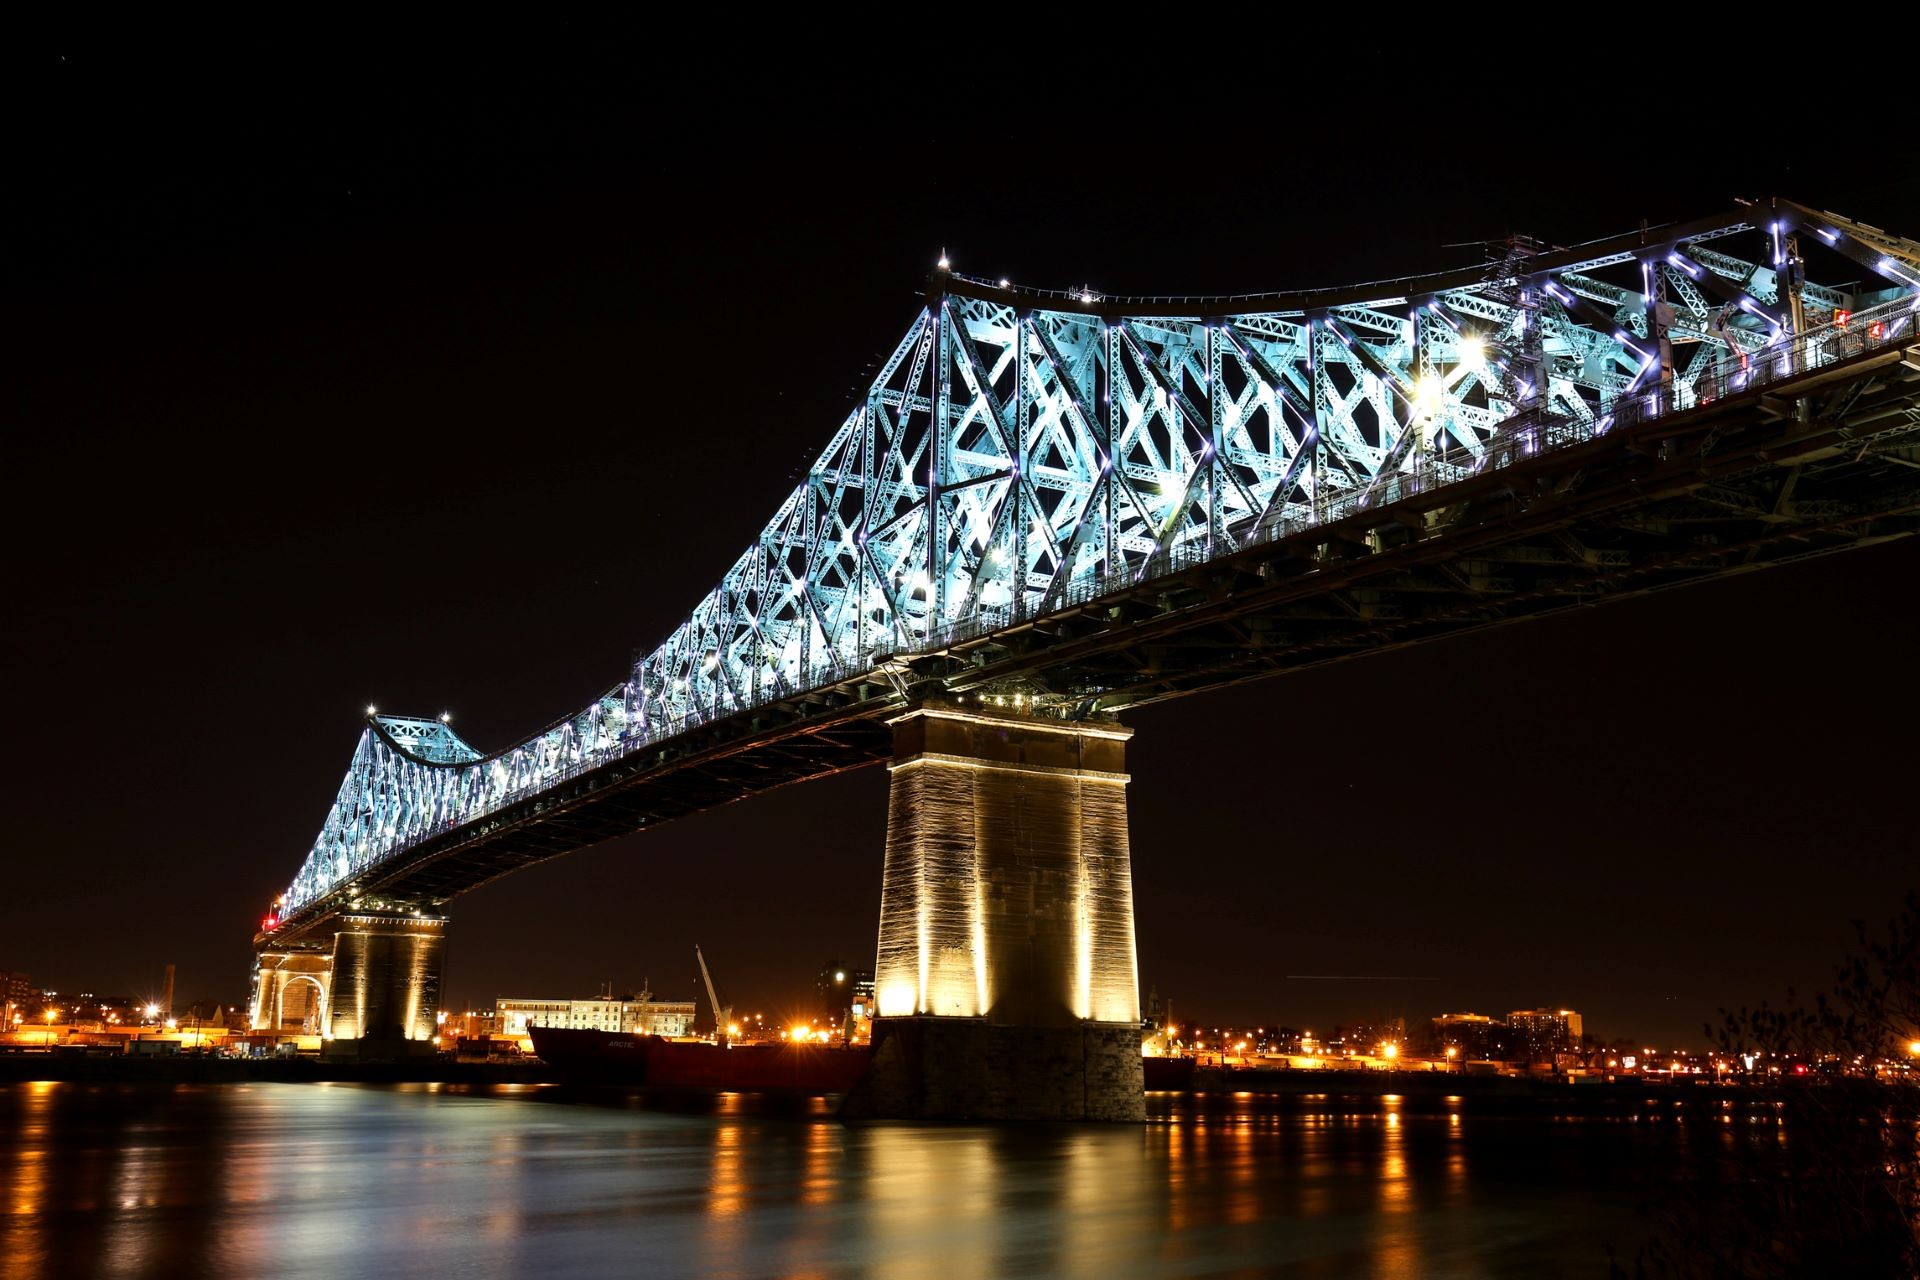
(331, 1180)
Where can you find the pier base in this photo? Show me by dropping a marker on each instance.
(1006, 984)
(970, 1069)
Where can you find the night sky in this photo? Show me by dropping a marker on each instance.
(447, 383)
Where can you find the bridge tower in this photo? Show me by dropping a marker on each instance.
(1006, 982)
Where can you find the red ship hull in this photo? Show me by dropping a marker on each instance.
(613, 1058)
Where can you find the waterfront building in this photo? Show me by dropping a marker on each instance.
(471, 1024)
(19, 998)
(859, 1028)
(1541, 1033)
(1368, 1037)
(1476, 1036)
(636, 1014)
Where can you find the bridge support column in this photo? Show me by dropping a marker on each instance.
(386, 984)
(1006, 983)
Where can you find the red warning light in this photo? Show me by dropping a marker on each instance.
(1877, 330)
(1840, 318)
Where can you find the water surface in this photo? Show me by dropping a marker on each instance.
(350, 1180)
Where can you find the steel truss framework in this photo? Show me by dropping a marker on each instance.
(1026, 456)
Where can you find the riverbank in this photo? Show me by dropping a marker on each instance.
(1477, 1092)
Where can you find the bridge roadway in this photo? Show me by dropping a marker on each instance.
(1811, 463)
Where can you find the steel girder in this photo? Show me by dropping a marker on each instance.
(1024, 453)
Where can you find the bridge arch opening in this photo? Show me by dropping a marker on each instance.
(301, 1005)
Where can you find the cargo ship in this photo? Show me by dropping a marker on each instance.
(609, 1057)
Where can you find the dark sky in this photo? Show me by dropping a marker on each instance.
(446, 382)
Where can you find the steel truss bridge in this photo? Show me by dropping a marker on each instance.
(1074, 504)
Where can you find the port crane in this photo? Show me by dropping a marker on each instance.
(720, 1015)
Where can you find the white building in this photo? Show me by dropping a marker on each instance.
(638, 1014)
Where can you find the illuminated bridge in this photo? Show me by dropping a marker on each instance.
(1050, 506)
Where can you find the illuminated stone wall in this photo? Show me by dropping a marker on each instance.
(1008, 890)
(287, 979)
(386, 976)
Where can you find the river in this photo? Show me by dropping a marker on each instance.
(345, 1180)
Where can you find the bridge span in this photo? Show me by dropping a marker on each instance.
(1052, 506)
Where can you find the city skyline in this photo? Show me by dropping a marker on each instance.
(377, 422)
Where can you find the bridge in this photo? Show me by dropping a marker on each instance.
(1053, 505)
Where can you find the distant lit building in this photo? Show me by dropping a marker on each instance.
(845, 997)
(1367, 1037)
(1476, 1036)
(1541, 1033)
(471, 1023)
(19, 998)
(637, 1014)
(860, 1015)
(836, 985)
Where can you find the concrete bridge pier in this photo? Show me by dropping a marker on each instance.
(1006, 983)
(373, 993)
(387, 968)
